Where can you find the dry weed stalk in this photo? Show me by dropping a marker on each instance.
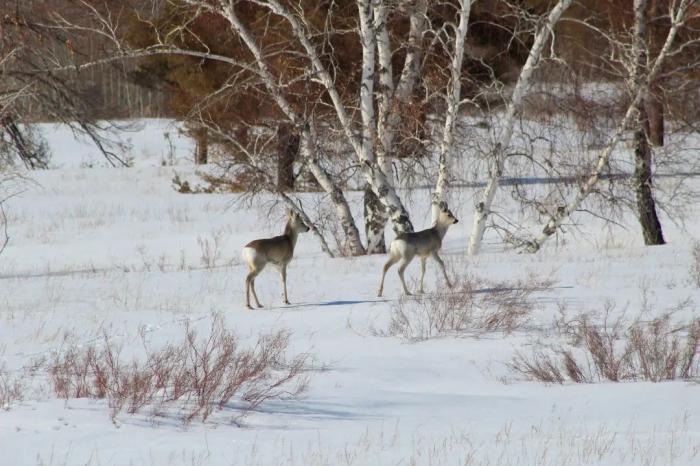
(695, 265)
(210, 251)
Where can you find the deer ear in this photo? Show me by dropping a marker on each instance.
(443, 206)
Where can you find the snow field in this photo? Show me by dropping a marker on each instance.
(97, 250)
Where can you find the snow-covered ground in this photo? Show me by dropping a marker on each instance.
(100, 251)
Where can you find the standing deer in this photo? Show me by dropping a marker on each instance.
(423, 243)
(278, 250)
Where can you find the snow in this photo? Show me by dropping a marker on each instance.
(99, 250)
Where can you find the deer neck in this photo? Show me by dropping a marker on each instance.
(441, 229)
(292, 234)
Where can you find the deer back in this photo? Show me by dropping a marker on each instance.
(277, 250)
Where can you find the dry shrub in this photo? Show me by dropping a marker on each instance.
(653, 351)
(194, 376)
(658, 353)
(471, 307)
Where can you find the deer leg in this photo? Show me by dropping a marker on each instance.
(283, 273)
(442, 266)
(247, 291)
(422, 273)
(248, 285)
(392, 260)
(402, 269)
(255, 295)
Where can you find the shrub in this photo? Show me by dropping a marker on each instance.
(653, 351)
(471, 307)
(195, 375)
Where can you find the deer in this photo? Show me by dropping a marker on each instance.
(425, 243)
(277, 250)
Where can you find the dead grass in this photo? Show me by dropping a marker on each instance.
(616, 351)
(194, 376)
(471, 307)
(210, 251)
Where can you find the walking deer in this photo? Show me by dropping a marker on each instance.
(422, 243)
(278, 251)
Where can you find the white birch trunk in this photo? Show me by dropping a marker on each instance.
(453, 98)
(482, 209)
(369, 44)
(386, 88)
(307, 150)
(564, 212)
(374, 211)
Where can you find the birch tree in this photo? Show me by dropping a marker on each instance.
(497, 157)
(453, 100)
(679, 14)
(390, 98)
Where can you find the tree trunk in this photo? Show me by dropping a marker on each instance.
(646, 207)
(375, 221)
(287, 150)
(655, 99)
(201, 138)
(655, 116)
